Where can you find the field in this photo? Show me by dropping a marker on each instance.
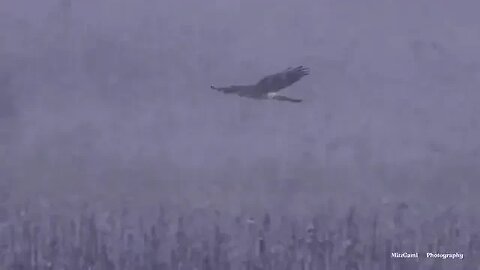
(358, 238)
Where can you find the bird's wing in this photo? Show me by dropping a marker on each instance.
(242, 90)
(278, 81)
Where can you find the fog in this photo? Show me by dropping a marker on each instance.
(110, 100)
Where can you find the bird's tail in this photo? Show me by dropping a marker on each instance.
(285, 98)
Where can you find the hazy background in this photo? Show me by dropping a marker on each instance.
(108, 100)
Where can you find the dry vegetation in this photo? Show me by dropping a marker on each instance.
(87, 238)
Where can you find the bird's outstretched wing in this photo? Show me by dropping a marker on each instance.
(278, 81)
(228, 89)
(241, 90)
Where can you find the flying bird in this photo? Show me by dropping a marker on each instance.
(269, 86)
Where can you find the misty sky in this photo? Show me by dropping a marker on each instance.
(100, 87)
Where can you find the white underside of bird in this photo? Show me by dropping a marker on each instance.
(271, 95)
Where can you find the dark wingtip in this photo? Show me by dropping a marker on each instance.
(305, 70)
(302, 69)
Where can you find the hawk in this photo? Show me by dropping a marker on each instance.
(269, 86)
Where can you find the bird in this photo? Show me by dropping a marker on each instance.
(269, 86)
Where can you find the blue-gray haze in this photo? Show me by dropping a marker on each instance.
(109, 100)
